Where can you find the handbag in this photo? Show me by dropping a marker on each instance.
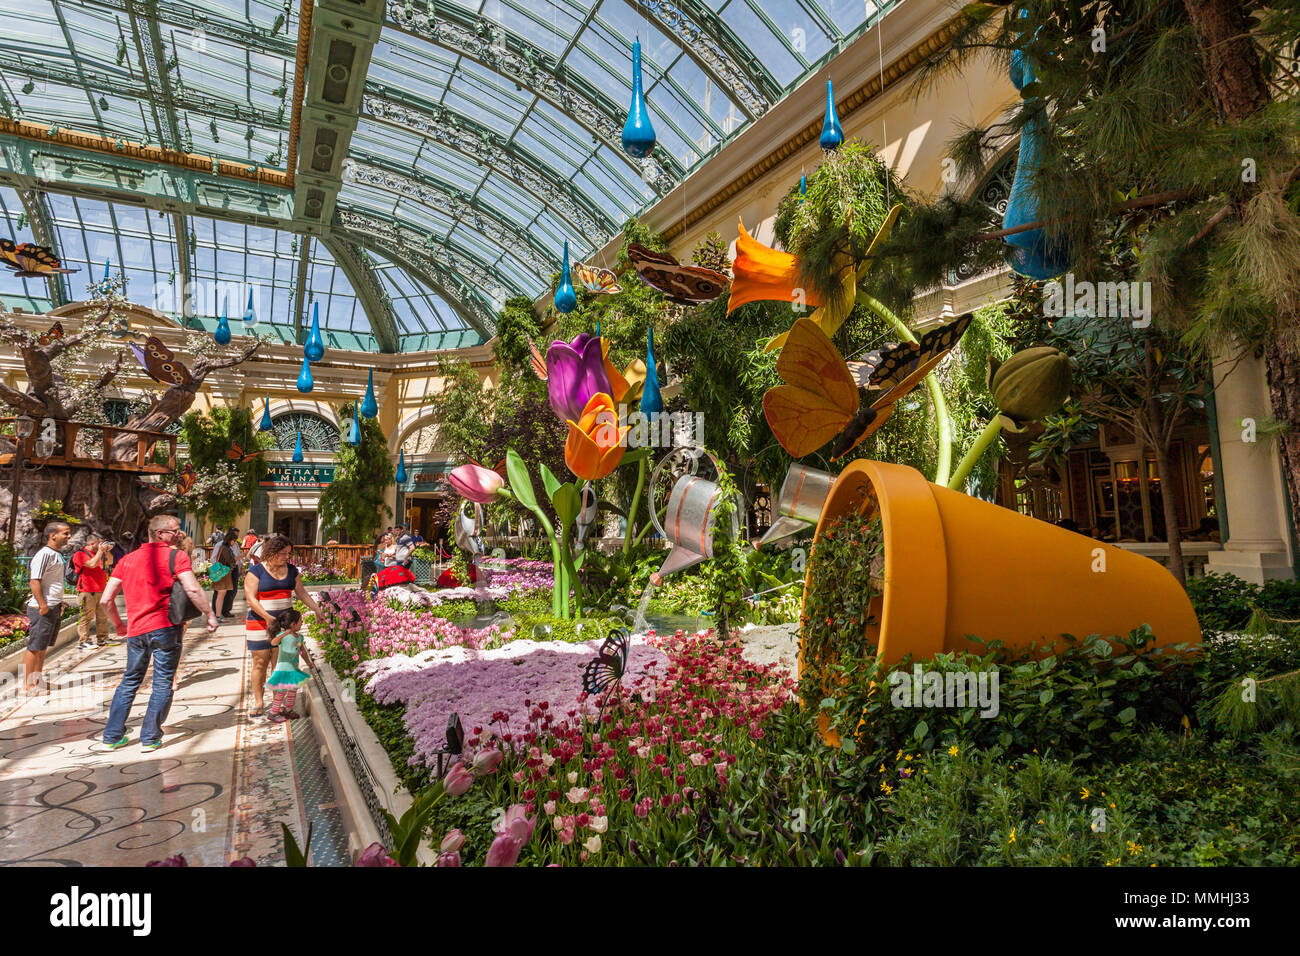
(217, 571)
(181, 608)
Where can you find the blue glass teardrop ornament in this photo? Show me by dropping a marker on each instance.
(1033, 253)
(803, 184)
(638, 132)
(305, 383)
(106, 261)
(314, 347)
(370, 407)
(250, 317)
(400, 477)
(566, 300)
(651, 399)
(832, 132)
(297, 450)
(222, 335)
(354, 435)
(266, 425)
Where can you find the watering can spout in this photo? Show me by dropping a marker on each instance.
(799, 505)
(782, 527)
(679, 559)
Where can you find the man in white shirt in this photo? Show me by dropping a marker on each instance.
(45, 606)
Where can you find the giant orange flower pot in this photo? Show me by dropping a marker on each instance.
(958, 566)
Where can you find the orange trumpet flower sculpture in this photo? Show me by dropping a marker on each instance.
(761, 273)
(595, 443)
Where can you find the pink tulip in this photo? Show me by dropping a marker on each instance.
(517, 823)
(452, 842)
(504, 851)
(375, 855)
(458, 780)
(476, 483)
(448, 859)
(486, 761)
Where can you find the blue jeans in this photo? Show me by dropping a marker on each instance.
(164, 645)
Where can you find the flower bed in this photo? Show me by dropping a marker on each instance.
(322, 574)
(377, 628)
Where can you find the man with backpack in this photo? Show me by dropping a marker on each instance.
(88, 571)
(147, 576)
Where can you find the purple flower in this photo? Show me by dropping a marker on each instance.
(177, 860)
(243, 861)
(504, 851)
(375, 855)
(451, 858)
(575, 372)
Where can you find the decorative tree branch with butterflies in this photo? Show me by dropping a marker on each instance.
(117, 503)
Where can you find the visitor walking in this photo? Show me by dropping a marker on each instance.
(90, 565)
(45, 606)
(223, 573)
(146, 577)
(270, 588)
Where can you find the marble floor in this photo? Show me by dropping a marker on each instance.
(217, 790)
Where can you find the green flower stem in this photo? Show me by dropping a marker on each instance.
(987, 437)
(636, 504)
(570, 577)
(942, 421)
(650, 524)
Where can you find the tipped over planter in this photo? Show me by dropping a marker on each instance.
(956, 566)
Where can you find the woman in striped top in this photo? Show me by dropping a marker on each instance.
(270, 588)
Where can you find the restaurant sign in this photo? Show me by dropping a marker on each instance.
(297, 476)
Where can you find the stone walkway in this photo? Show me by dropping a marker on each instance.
(217, 790)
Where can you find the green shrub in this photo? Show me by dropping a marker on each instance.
(1224, 602)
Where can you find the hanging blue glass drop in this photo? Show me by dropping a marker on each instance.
(651, 399)
(370, 407)
(297, 451)
(638, 133)
(832, 133)
(354, 434)
(1032, 253)
(314, 347)
(250, 317)
(401, 468)
(106, 271)
(266, 425)
(222, 335)
(566, 300)
(803, 184)
(305, 383)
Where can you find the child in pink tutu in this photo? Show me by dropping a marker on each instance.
(285, 680)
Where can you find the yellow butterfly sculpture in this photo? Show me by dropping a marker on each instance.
(819, 401)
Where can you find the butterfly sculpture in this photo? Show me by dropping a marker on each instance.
(685, 285)
(161, 363)
(604, 674)
(236, 453)
(54, 333)
(185, 479)
(819, 401)
(596, 279)
(29, 260)
(538, 360)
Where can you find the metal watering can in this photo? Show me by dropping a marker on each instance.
(688, 522)
(468, 530)
(803, 493)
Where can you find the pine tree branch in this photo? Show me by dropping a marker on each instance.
(1140, 202)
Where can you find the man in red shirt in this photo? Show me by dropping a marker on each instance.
(146, 579)
(91, 563)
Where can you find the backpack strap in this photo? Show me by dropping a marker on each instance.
(171, 562)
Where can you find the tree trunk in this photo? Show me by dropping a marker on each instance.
(1282, 362)
(111, 503)
(1232, 62)
(1156, 431)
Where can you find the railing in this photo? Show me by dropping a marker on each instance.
(1196, 554)
(79, 436)
(344, 558)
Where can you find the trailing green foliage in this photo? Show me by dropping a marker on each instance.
(210, 438)
(355, 502)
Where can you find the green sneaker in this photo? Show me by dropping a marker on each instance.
(151, 746)
(120, 744)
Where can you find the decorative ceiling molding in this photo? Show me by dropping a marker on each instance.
(455, 203)
(498, 48)
(148, 44)
(467, 136)
(368, 289)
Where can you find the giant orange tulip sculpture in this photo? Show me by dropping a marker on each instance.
(762, 273)
(595, 443)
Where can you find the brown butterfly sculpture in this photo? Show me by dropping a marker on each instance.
(29, 260)
(54, 333)
(185, 479)
(538, 360)
(819, 401)
(685, 285)
(163, 365)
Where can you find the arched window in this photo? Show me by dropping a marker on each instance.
(118, 411)
(317, 433)
(993, 191)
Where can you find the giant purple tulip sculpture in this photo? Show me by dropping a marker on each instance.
(576, 371)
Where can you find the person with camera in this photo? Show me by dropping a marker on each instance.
(148, 577)
(89, 572)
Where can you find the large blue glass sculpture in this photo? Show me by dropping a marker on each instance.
(314, 347)
(370, 407)
(638, 133)
(832, 132)
(566, 300)
(266, 425)
(354, 432)
(297, 450)
(250, 316)
(1032, 253)
(222, 335)
(305, 383)
(652, 400)
(400, 477)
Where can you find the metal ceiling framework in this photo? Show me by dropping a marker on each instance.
(463, 141)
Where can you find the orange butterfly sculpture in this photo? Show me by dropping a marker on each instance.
(236, 453)
(538, 360)
(29, 260)
(54, 333)
(819, 401)
(185, 479)
(596, 279)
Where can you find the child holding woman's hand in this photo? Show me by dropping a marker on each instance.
(287, 677)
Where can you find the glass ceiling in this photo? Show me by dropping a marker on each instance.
(488, 126)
